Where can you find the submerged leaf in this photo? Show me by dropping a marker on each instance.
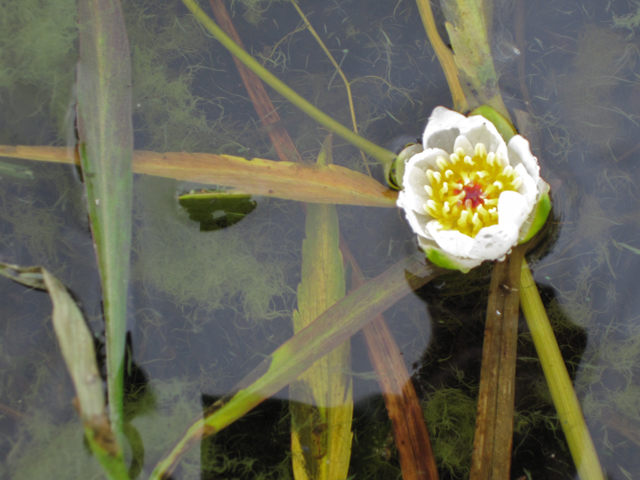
(15, 171)
(325, 333)
(321, 400)
(105, 133)
(77, 348)
(628, 247)
(469, 27)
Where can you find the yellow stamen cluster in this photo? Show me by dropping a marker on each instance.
(464, 193)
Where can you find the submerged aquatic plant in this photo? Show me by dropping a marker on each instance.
(469, 196)
(238, 268)
(38, 51)
(450, 414)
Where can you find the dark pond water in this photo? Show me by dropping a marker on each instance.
(206, 307)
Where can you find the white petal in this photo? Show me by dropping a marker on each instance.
(475, 122)
(452, 242)
(426, 242)
(520, 153)
(442, 129)
(426, 159)
(415, 178)
(417, 221)
(467, 264)
(502, 151)
(513, 208)
(414, 195)
(543, 187)
(464, 144)
(494, 242)
(528, 187)
(526, 225)
(478, 129)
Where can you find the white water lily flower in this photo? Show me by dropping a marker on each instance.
(469, 196)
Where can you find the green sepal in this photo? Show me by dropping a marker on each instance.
(503, 125)
(395, 171)
(542, 213)
(441, 259)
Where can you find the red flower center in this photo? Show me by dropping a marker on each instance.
(472, 192)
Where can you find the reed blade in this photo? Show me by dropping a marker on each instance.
(105, 147)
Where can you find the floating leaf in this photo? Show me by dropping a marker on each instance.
(292, 181)
(217, 209)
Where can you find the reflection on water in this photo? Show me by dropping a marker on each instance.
(206, 307)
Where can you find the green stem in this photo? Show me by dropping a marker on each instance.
(381, 154)
(562, 392)
(445, 56)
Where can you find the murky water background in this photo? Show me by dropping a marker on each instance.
(205, 307)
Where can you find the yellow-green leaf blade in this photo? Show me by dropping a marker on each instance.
(325, 333)
(321, 398)
(291, 181)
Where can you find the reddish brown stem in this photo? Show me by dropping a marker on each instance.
(410, 432)
(405, 412)
(269, 117)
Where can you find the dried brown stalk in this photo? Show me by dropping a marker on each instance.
(403, 407)
(494, 423)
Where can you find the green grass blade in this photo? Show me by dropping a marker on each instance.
(106, 148)
(296, 355)
(562, 392)
(321, 399)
